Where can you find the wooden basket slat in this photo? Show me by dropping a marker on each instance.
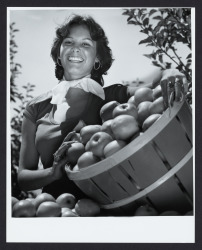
(186, 119)
(110, 186)
(185, 176)
(126, 165)
(91, 190)
(148, 166)
(173, 143)
(169, 196)
(123, 180)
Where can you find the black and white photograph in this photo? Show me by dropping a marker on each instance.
(100, 124)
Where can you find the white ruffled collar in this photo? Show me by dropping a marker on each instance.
(59, 92)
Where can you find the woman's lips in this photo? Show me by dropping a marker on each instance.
(75, 59)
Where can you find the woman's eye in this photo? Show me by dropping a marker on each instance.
(68, 42)
(86, 44)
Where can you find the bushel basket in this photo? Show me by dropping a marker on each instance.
(155, 168)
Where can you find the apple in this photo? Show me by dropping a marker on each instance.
(107, 110)
(125, 109)
(64, 209)
(143, 111)
(66, 200)
(75, 168)
(113, 147)
(42, 198)
(97, 143)
(24, 208)
(124, 127)
(30, 199)
(87, 147)
(74, 152)
(13, 201)
(143, 94)
(48, 209)
(149, 121)
(87, 207)
(157, 92)
(87, 131)
(106, 127)
(69, 213)
(170, 213)
(157, 107)
(87, 159)
(146, 210)
(132, 99)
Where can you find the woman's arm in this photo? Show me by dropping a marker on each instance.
(29, 176)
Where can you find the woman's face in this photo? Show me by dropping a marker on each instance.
(78, 53)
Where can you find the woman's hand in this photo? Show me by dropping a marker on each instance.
(60, 157)
(61, 152)
(174, 86)
(58, 168)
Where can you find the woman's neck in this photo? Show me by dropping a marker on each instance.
(72, 78)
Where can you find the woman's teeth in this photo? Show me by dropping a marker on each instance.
(75, 59)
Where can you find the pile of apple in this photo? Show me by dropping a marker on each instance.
(45, 205)
(121, 123)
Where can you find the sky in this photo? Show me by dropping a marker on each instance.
(37, 31)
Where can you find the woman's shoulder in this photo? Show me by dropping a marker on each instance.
(41, 98)
(117, 92)
(36, 107)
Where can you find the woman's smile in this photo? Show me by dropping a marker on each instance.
(75, 59)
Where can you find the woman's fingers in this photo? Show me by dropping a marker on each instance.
(58, 167)
(62, 150)
(164, 87)
(69, 136)
(174, 87)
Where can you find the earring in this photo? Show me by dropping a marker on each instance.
(58, 62)
(98, 65)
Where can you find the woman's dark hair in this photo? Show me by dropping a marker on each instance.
(104, 53)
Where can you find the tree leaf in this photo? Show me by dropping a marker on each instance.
(155, 63)
(156, 29)
(17, 110)
(189, 56)
(161, 58)
(125, 12)
(150, 56)
(133, 22)
(179, 12)
(168, 65)
(143, 16)
(129, 18)
(146, 21)
(147, 40)
(150, 44)
(158, 18)
(152, 12)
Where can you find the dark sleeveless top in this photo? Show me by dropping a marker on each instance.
(50, 134)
